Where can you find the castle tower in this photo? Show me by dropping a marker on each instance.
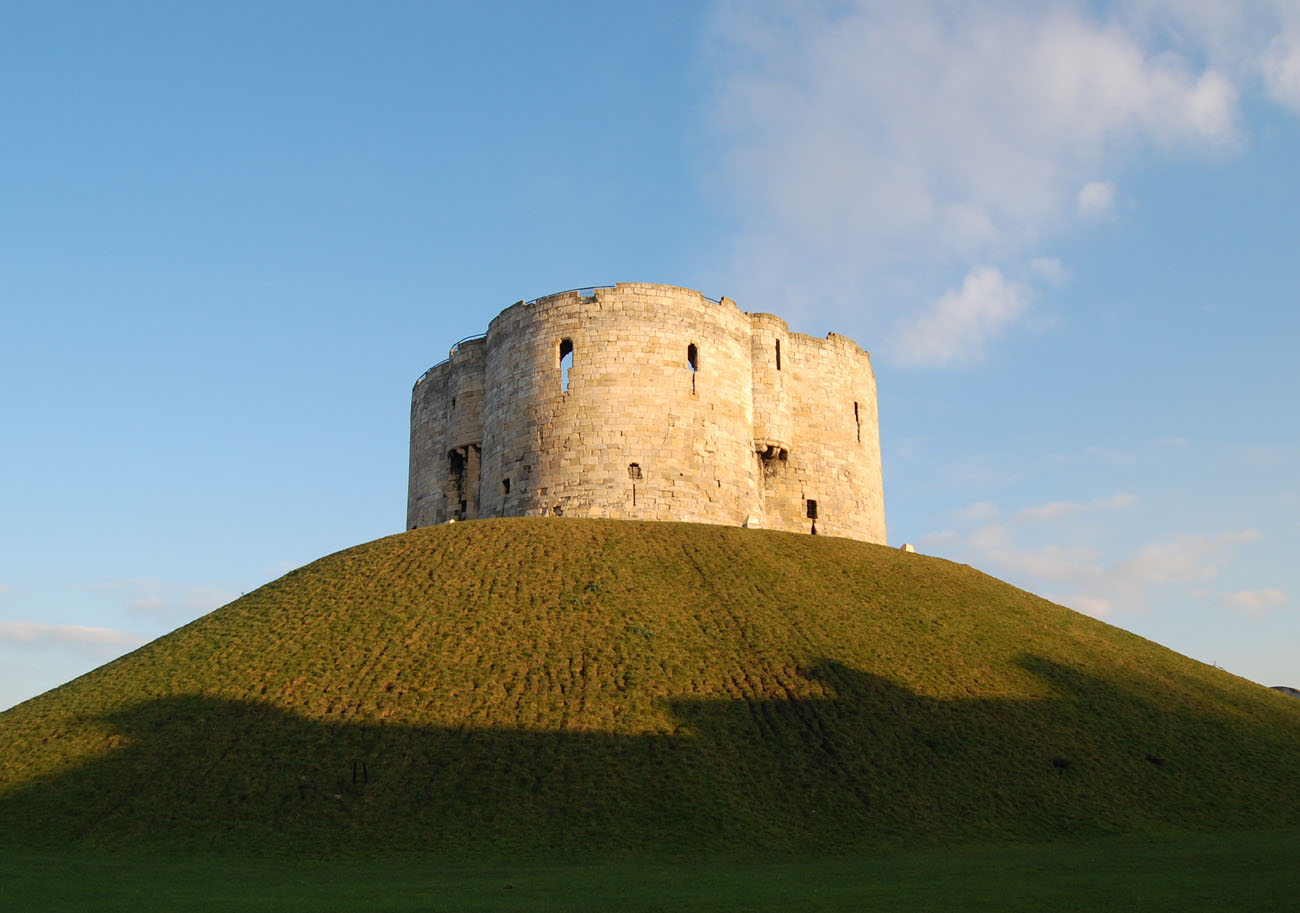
(649, 402)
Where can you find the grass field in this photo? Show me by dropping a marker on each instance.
(1252, 871)
(747, 719)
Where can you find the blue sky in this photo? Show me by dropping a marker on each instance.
(231, 237)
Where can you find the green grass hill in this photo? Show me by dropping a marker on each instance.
(579, 687)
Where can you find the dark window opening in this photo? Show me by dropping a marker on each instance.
(457, 469)
(812, 509)
(857, 420)
(778, 355)
(566, 363)
(773, 460)
(453, 402)
(505, 486)
(461, 486)
(634, 470)
(693, 359)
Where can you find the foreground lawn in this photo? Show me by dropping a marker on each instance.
(1256, 871)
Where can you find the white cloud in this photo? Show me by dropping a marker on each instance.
(1182, 559)
(1095, 606)
(959, 325)
(858, 137)
(147, 596)
(992, 537)
(1281, 67)
(979, 512)
(1050, 563)
(1253, 602)
(1247, 38)
(1045, 549)
(1051, 270)
(1096, 198)
(37, 634)
(1055, 510)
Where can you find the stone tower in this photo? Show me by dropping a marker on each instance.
(649, 402)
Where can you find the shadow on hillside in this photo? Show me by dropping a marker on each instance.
(874, 763)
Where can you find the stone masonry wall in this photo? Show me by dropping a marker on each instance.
(673, 408)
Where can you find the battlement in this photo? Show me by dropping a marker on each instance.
(649, 402)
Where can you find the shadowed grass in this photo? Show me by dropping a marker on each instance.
(1185, 872)
(564, 689)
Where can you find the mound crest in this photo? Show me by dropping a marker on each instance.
(611, 686)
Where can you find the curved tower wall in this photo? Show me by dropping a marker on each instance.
(641, 432)
(638, 433)
(447, 438)
(769, 357)
(834, 457)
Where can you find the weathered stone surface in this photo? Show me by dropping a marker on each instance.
(677, 407)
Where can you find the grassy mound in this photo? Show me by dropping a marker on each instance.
(572, 686)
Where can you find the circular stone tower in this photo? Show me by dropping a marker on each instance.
(649, 402)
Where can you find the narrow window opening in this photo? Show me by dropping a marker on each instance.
(566, 363)
(812, 509)
(857, 420)
(693, 359)
(778, 355)
(453, 402)
(505, 486)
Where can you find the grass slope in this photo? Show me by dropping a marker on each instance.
(572, 687)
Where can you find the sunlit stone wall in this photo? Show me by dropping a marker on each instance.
(649, 402)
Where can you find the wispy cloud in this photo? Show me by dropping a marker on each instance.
(959, 325)
(163, 599)
(1049, 549)
(1096, 198)
(1050, 270)
(979, 512)
(1248, 39)
(38, 634)
(1182, 559)
(860, 138)
(1253, 602)
(1056, 510)
(1079, 578)
(1281, 67)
